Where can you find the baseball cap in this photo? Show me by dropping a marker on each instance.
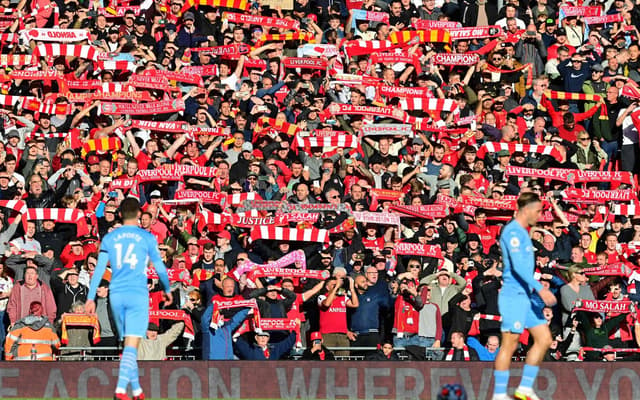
(93, 159)
(597, 67)
(224, 234)
(263, 333)
(504, 153)
(155, 193)
(189, 16)
(104, 283)
(561, 32)
(153, 327)
(316, 336)
(140, 21)
(13, 133)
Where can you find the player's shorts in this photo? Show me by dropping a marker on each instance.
(131, 313)
(519, 311)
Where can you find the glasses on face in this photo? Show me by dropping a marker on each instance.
(497, 58)
(193, 244)
(334, 196)
(584, 138)
(414, 267)
(241, 259)
(91, 264)
(191, 299)
(528, 111)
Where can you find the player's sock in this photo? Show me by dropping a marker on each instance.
(127, 364)
(529, 373)
(133, 376)
(501, 379)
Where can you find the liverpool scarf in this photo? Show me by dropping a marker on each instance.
(394, 58)
(56, 35)
(417, 249)
(176, 315)
(296, 257)
(572, 176)
(229, 50)
(262, 21)
(600, 195)
(602, 306)
(183, 77)
(71, 319)
(431, 211)
(154, 107)
(456, 59)
(304, 62)
(490, 204)
(475, 32)
(432, 105)
(217, 319)
(174, 172)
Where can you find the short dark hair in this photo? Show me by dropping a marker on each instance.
(527, 198)
(129, 208)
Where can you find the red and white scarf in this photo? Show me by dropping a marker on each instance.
(572, 175)
(63, 215)
(603, 306)
(417, 249)
(151, 108)
(290, 234)
(494, 147)
(176, 315)
(305, 62)
(56, 35)
(456, 59)
(69, 50)
(465, 350)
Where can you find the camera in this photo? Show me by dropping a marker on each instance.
(317, 342)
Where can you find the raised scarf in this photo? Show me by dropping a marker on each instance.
(386, 129)
(56, 35)
(69, 50)
(261, 20)
(61, 215)
(417, 249)
(183, 77)
(431, 211)
(266, 232)
(465, 350)
(151, 108)
(111, 144)
(528, 67)
(572, 176)
(71, 319)
(237, 4)
(475, 32)
(603, 306)
(552, 94)
(456, 59)
(494, 147)
(600, 195)
(420, 36)
(305, 62)
(381, 218)
(176, 315)
(217, 319)
(230, 50)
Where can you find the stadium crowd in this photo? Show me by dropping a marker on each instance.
(320, 175)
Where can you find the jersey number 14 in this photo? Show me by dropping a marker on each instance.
(129, 256)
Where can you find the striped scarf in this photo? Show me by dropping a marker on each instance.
(350, 141)
(36, 75)
(431, 211)
(552, 94)
(465, 351)
(361, 47)
(281, 126)
(237, 4)
(48, 108)
(111, 144)
(432, 104)
(421, 36)
(494, 147)
(68, 50)
(88, 320)
(202, 70)
(112, 65)
(62, 215)
(393, 58)
(289, 234)
(528, 67)
(12, 60)
(286, 37)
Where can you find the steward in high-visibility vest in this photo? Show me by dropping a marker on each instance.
(32, 337)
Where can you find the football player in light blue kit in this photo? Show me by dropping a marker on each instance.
(128, 250)
(521, 301)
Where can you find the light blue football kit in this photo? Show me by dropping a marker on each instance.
(519, 302)
(128, 250)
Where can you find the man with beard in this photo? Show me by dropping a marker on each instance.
(364, 330)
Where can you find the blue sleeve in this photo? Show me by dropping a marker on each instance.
(103, 259)
(158, 264)
(483, 353)
(243, 349)
(283, 347)
(100, 210)
(235, 321)
(205, 319)
(521, 258)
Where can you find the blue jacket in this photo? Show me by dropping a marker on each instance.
(217, 344)
(365, 318)
(483, 353)
(251, 351)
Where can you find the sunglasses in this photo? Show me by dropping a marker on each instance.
(584, 138)
(193, 300)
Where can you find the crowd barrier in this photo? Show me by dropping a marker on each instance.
(312, 380)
